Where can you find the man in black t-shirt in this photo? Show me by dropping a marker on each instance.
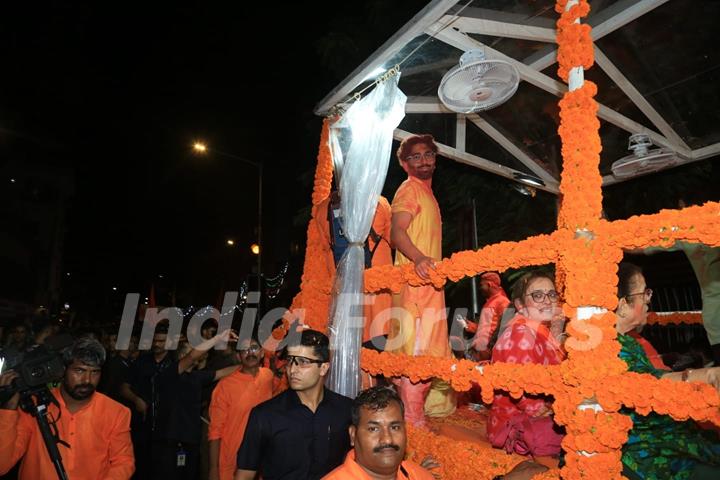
(303, 432)
(176, 451)
(140, 391)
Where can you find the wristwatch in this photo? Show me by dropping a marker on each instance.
(686, 375)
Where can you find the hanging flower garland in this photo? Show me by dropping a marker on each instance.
(313, 301)
(324, 169)
(581, 183)
(575, 46)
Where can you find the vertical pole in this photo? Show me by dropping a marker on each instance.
(260, 241)
(576, 76)
(473, 280)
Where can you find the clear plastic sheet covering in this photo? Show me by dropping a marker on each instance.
(365, 135)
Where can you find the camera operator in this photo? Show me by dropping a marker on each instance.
(94, 430)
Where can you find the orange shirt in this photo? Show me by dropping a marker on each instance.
(490, 316)
(98, 434)
(375, 303)
(233, 398)
(351, 470)
(422, 325)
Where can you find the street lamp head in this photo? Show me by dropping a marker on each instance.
(230, 242)
(199, 147)
(255, 249)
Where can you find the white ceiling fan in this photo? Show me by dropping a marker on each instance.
(477, 84)
(643, 159)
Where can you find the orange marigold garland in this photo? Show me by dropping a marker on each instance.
(313, 301)
(324, 168)
(581, 182)
(575, 46)
(592, 283)
(538, 250)
(592, 353)
(675, 318)
(459, 459)
(697, 224)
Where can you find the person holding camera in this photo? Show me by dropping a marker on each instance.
(93, 431)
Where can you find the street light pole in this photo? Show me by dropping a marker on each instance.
(201, 148)
(260, 241)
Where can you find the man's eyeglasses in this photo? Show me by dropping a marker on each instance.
(416, 157)
(540, 296)
(647, 292)
(251, 349)
(302, 362)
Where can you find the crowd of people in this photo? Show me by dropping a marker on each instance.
(226, 408)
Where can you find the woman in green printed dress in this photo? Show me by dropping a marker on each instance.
(659, 447)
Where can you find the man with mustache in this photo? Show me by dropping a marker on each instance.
(302, 432)
(378, 437)
(96, 428)
(379, 441)
(232, 400)
(420, 324)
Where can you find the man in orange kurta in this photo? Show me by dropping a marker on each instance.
(96, 427)
(232, 400)
(375, 304)
(420, 324)
(492, 311)
(379, 440)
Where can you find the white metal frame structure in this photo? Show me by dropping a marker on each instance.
(454, 21)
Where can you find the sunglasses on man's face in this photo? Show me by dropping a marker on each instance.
(302, 362)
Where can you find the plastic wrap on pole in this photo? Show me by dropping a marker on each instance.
(346, 329)
(337, 140)
(366, 131)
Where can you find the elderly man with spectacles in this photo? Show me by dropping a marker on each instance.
(232, 400)
(303, 432)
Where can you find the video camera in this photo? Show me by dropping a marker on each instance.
(38, 366)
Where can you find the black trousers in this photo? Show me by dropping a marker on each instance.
(165, 460)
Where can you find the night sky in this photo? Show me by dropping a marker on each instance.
(115, 94)
(112, 96)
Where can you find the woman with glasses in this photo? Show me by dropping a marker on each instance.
(525, 425)
(658, 446)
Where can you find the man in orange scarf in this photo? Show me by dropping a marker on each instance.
(420, 324)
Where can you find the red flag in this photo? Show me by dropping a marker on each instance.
(219, 303)
(151, 298)
(151, 304)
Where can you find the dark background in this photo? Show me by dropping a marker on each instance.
(99, 188)
(100, 104)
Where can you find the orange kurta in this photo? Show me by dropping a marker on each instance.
(375, 303)
(233, 398)
(351, 470)
(98, 434)
(420, 326)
